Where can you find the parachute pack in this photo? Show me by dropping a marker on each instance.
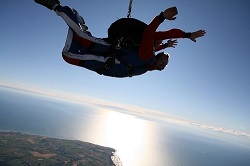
(126, 32)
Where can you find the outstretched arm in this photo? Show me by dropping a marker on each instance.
(170, 14)
(197, 34)
(150, 36)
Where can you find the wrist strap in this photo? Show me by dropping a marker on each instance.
(187, 35)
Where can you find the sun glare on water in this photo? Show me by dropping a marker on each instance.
(126, 134)
(126, 129)
(133, 138)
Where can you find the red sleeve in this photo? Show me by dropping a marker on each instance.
(146, 48)
(150, 35)
(172, 33)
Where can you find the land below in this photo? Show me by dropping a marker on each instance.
(25, 149)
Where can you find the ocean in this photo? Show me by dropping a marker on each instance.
(139, 142)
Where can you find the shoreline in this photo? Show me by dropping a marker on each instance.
(86, 151)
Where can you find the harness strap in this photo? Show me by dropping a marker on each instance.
(118, 55)
(115, 53)
(107, 65)
(129, 66)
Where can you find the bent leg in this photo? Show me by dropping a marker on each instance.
(77, 24)
(75, 54)
(71, 46)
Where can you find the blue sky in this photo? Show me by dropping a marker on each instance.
(207, 82)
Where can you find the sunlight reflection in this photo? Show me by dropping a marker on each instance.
(134, 139)
(127, 134)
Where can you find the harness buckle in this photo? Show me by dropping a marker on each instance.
(109, 63)
(107, 66)
(118, 47)
(129, 67)
(119, 42)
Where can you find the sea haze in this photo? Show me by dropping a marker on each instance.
(139, 142)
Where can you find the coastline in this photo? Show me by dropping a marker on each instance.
(29, 148)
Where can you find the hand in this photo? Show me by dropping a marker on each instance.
(170, 13)
(172, 43)
(197, 34)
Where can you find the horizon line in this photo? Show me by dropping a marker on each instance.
(137, 112)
